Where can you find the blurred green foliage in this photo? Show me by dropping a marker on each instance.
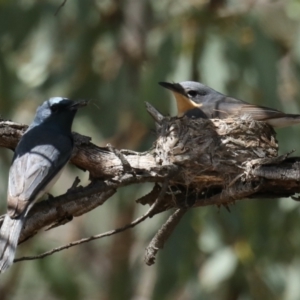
(114, 53)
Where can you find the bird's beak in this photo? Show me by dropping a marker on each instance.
(79, 104)
(174, 87)
(184, 103)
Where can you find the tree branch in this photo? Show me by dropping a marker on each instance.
(60, 7)
(148, 214)
(192, 163)
(162, 236)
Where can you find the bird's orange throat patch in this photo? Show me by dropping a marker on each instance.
(184, 104)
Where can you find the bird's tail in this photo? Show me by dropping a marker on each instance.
(9, 236)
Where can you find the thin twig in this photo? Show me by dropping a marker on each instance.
(108, 233)
(163, 235)
(85, 240)
(160, 197)
(154, 113)
(74, 185)
(60, 7)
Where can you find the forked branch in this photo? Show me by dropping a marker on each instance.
(192, 163)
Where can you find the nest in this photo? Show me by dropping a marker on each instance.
(212, 153)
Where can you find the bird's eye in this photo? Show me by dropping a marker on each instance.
(54, 108)
(202, 93)
(192, 93)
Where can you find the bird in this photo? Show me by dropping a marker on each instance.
(38, 161)
(196, 98)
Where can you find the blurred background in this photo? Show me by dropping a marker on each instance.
(114, 53)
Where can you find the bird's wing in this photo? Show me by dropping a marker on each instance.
(30, 174)
(229, 107)
(261, 113)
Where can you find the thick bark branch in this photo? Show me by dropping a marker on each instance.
(205, 162)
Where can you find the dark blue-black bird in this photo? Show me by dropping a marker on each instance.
(39, 158)
(196, 99)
